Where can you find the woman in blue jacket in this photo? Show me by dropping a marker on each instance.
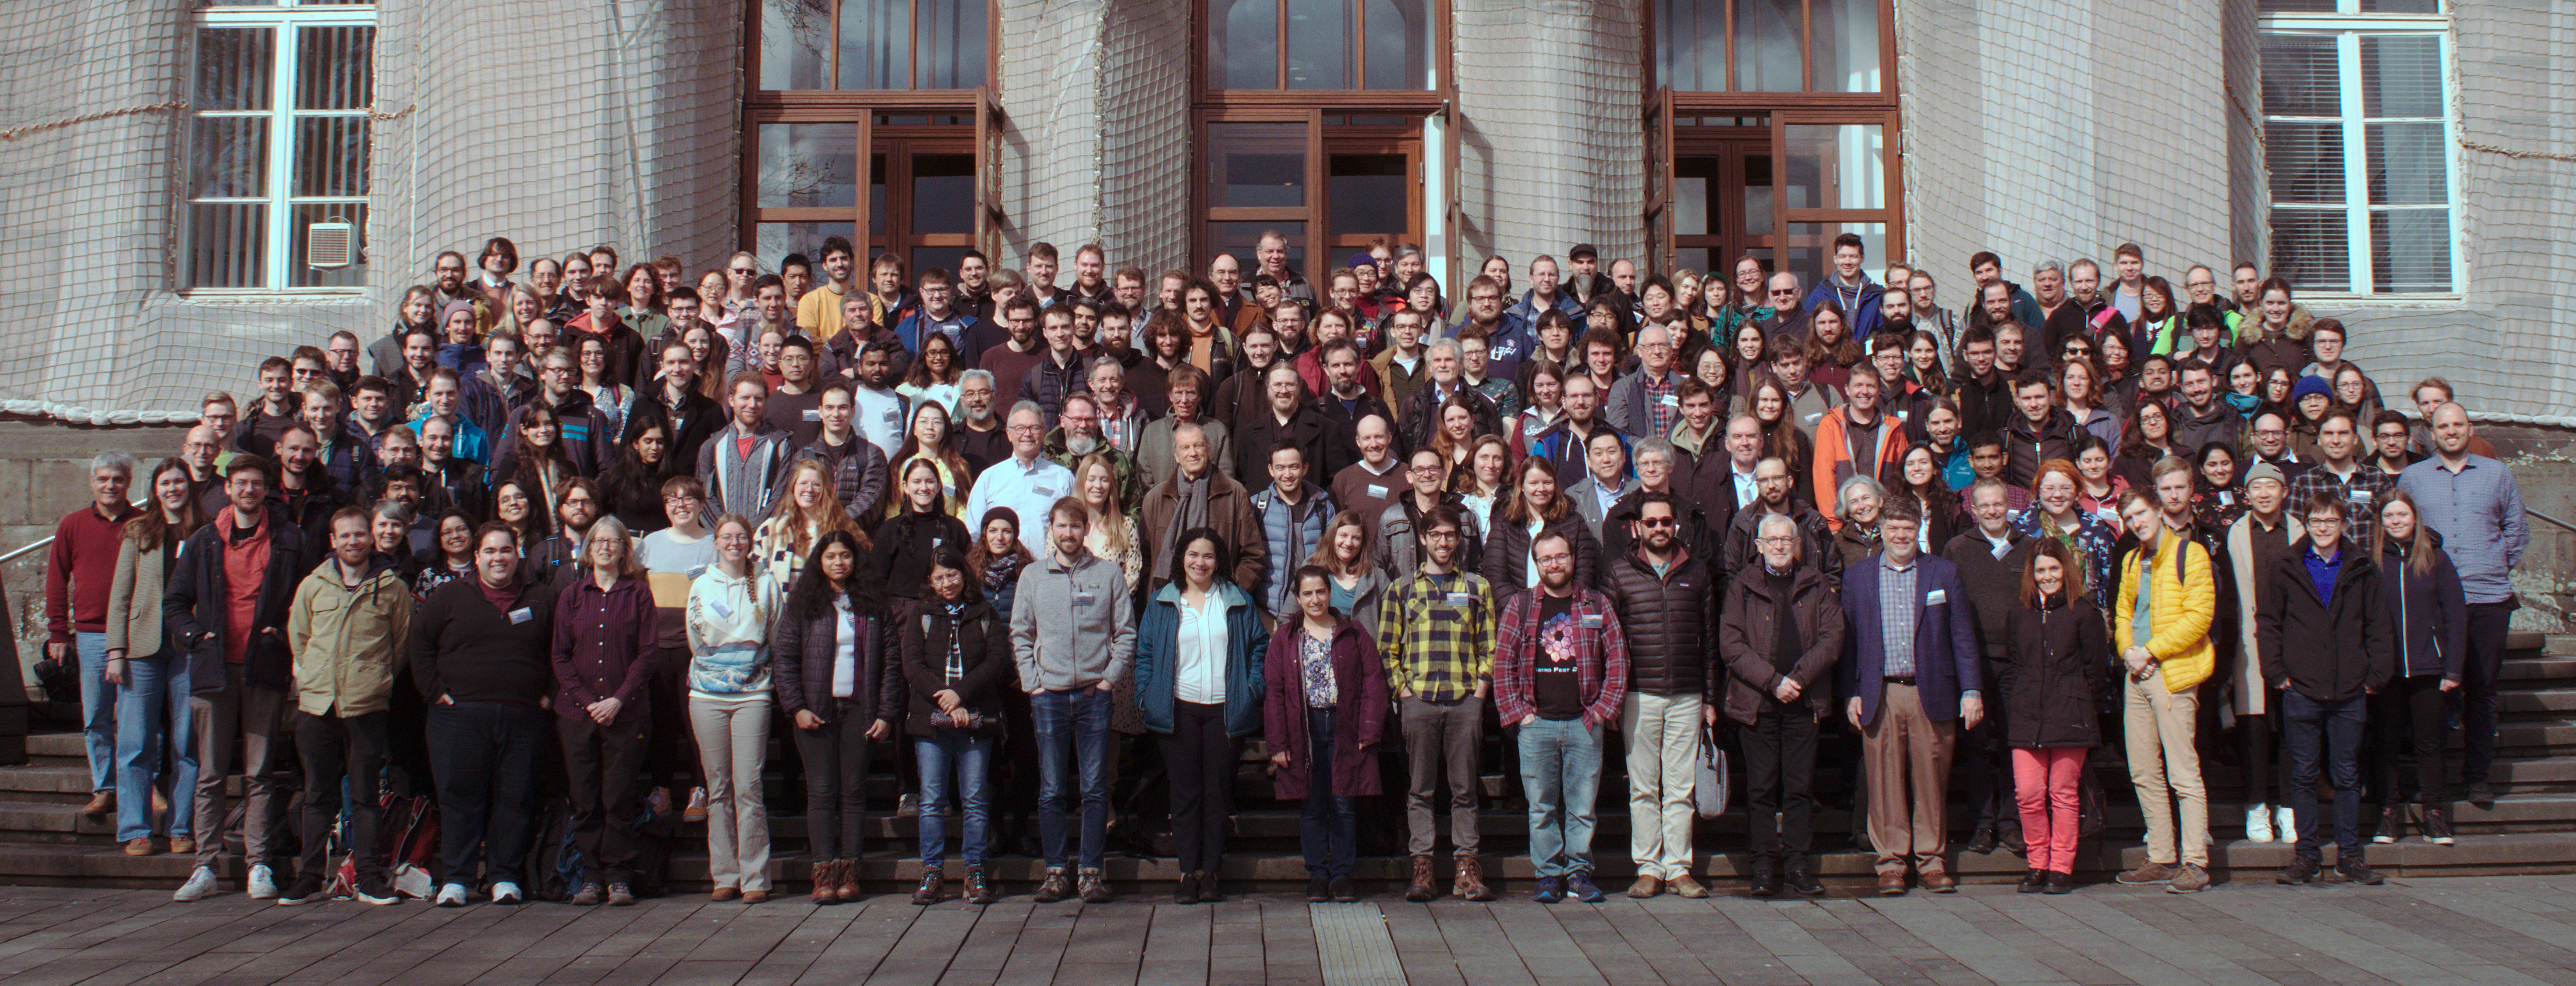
(1198, 684)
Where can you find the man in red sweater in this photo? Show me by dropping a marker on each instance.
(78, 571)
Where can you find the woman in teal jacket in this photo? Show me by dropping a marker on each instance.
(1198, 684)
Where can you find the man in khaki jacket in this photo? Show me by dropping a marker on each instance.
(346, 630)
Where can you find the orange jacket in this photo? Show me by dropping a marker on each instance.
(1833, 459)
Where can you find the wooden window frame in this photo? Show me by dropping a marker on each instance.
(1203, 73)
(1689, 100)
(752, 93)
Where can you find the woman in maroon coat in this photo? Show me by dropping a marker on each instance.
(1322, 708)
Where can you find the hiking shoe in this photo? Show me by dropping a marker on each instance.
(620, 896)
(1318, 889)
(2437, 826)
(200, 883)
(1345, 891)
(1095, 887)
(1469, 884)
(979, 888)
(1578, 885)
(263, 883)
(2301, 870)
(1550, 890)
(451, 895)
(2357, 871)
(934, 885)
(2188, 878)
(306, 887)
(2150, 873)
(507, 894)
(589, 895)
(1057, 886)
(1420, 890)
(2392, 824)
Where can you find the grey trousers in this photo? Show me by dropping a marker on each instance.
(237, 728)
(1441, 739)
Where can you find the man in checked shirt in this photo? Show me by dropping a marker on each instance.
(1436, 630)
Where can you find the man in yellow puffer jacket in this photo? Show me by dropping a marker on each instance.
(2168, 596)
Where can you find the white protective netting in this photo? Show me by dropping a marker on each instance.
(1551, 143)
(560, 126)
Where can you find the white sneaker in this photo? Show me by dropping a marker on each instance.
(2258, 823)
(451, 895)
(200, 883)
(506, 892)
(263, 883)
(2285, 824)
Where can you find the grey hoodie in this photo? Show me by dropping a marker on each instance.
(1071, 626)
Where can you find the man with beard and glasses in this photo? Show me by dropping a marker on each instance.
(1667, 604)
(1077, 434)
(1560, 676)
(1154, 447)
(979, 428)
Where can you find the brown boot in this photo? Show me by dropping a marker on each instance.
(1420, 890)
(1470, 884)
(848, 890)
(827, 881)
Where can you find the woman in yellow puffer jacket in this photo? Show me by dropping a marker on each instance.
(2163, 641)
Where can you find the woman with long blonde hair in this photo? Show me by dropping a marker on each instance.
(786, 537)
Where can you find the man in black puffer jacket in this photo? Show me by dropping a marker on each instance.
(1666, 594)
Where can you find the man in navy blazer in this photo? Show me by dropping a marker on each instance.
(1910, 670)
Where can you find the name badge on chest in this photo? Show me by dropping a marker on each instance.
(1592, 621)
(521, 615)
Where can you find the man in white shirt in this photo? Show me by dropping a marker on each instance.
(1026, 482)
(881, 411)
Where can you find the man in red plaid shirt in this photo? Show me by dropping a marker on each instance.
(1560, 671)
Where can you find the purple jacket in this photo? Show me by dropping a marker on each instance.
(1359, 710)
(604, 644)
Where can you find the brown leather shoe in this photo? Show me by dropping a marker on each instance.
(100, 804)
(723, 894)
(141, 846)
(754, 896)
(827, 881)
(1684, 886)
(1939, 882)
(1891, 883)
(848, 890)
(182, 845)
(1421, 890)
(1646, 886)
(1470, 883)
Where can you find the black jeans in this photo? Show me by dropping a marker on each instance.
(333, 748)
(2260, 758)
(2488, 625)
(2324, 736)
(485, 756)
(1779, 778)
(1982, 756)
(671, 751)
(2418, 703)
(603, 768)
(1201, 760)
(836, 779)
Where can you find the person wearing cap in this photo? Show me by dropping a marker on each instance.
(1583, 279)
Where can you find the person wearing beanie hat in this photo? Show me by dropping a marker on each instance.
(2255, 543)
(2310, 398)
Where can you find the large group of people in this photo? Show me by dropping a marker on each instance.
(602, 530)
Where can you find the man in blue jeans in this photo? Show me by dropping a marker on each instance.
(2325, 643)
(78, 572)
(1073, 636)
(1560, 672)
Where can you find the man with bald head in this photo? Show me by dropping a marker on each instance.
(204, 452)
(1773, 484)
(1789, 317)
(1372, 484)
(2471, 500)
(1198, 493)
(1648, 401)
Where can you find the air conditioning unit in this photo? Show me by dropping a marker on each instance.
(330, 244)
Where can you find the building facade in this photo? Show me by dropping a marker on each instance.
(165, 163)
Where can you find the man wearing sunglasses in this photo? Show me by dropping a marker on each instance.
(1665, 599)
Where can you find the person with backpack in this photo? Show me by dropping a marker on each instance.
(2161, 627)
(346, 629)
(2057, 654)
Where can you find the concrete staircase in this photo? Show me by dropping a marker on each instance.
(2530, 829)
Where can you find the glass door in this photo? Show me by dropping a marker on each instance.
(1722, 195)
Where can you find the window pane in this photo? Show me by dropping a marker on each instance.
(233, 67)
(2299, 76)
(330, 156)
(2410, 250)
(1694, 207)
(1757, 195)
(1319, 44)
(1399, 44)
(1240, 239)
(2401, 6)
(952, 44)
(1836, 166)
(2309, 249)
(228, 157)
(1690, 44)
(227, 244)
(2409, 164)
(1767, 56)
(1243, 51)
(2305, 161)
(1846, 45)
(2401, 76)
(773, 241)
(808, 165)
(1257, 165)
(1690, 258)
(1371, 194)
(793, 34)
(876, 44)
(305, 214)
(943, 193)
(336, 68)
(944, 258)
(2296, 6)
(1811, 247)
(876, 196)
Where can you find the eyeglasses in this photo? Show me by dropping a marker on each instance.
(1654, 522)
(744, 271)
(1775, 542)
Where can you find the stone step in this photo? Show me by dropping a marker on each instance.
(2521, 672)
(57, 745)
(2539, 700)
(2555, 643)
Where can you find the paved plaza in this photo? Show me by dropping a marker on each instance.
(2454, 929)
